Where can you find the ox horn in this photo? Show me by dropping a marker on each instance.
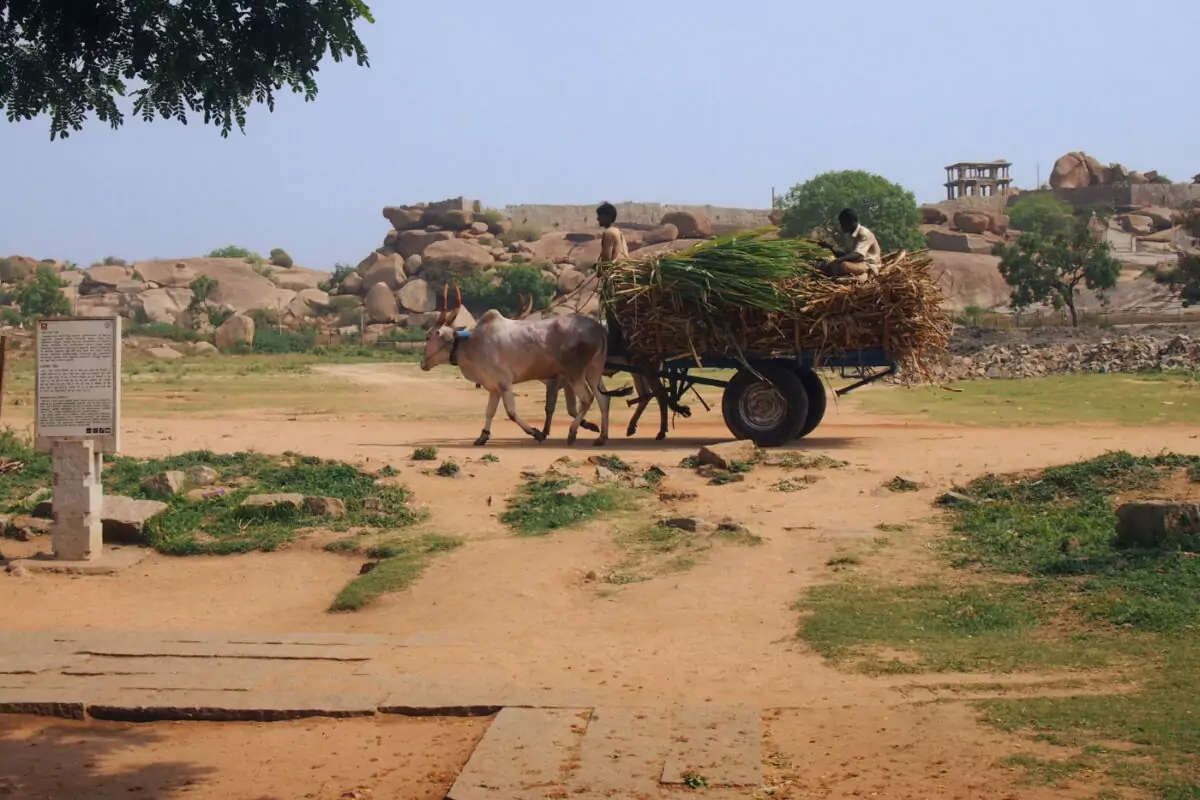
(457, 297)
(441, 320)
(528, 308)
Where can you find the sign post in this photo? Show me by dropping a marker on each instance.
(78, 401)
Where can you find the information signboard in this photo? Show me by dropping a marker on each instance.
(78, 391)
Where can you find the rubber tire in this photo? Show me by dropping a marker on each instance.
(818, 400)
(789, 385)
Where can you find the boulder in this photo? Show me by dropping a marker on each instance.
(164, 485)
(1070, 172)
(417, 296)
(998, 223)
(415, 243)
(1100, 174)
(956, 242)
(404, 218)
(690, 224)
(1117, 173)
(556, 248)
(102, 280)
(451, 219)
(124, 519)
(971, 221)
(413, 266)
(1152, 176)
(317, 298)
(273, 500)
(380, 303)
(387, 269)
(1159, 524)
(455, 257)
(25, 528)
(1136, 223)
(1137, 178)
(162, 305)
(724, 455)
(324, 507)
(351, 284)
(201, 475)
(166, 274)
(464, 320)
(579, 237)
(238, 285)
(164, 352)
(1162, 218)
(932, 215)
(659, 235)
(479, 228)
(298, 279)
(15, 269)
(570, 279)
(237, 330)
(425, 320)
(204, 349)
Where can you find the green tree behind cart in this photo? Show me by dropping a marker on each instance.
(888, 209)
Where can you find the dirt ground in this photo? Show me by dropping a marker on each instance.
(375, 758)
(504, 610)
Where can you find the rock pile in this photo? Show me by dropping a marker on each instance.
(430, 243)
(1125, 354)
(1079, 170)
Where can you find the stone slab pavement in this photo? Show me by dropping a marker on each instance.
(529, 751)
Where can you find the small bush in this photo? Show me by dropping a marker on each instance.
(425, 454)
(448, 469)
(521, 232)
(41, 295)
(280, 258)
(232, 251)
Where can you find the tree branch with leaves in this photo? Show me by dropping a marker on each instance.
(1050, 268)
(1183, 277)
(214, 57)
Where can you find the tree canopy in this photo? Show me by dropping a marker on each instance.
(888, 209)
(1043, 268)
(216, 57)
(41, 295)
(1041, 213)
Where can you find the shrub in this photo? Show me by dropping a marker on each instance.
(521, 232)
(481, 292)
(269, 340)
(41, 295)
(340, 271)
(1041, 213)
(280, 258)
(232, 251)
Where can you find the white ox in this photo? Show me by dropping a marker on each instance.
(500, 353)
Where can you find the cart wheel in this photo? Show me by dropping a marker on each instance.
(768, 412)
(814, 388)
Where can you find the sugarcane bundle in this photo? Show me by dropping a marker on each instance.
(749, 294)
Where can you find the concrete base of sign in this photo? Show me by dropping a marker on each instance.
(112, 559)
(77, 531)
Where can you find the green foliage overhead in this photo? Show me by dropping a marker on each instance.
(1041, 213)
(1050, 268)
(503, 287)
(888, 209)
(41, 295)
(214, 58)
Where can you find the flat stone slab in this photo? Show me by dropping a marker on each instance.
(111, 560)
(42, 703)
(721, 745)
(523, 755)
(140, 706)
(622, 753)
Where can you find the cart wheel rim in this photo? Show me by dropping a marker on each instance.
(762, 407)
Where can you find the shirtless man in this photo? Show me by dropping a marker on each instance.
(612, 241)
(864, 259)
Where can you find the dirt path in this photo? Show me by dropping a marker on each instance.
(505, 611)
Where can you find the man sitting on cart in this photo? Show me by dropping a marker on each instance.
(865, 259)
(612, 248)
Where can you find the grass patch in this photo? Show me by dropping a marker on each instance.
(403, 561)
(793, 460)
(655, 550)
(795, 484)
(424, 454)
(544, 505)
(1041, 584)
(1116, 399)
(448, 469)
(221, 525)
(22, 471)
(901, 485)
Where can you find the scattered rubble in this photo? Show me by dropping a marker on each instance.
(1121, 354)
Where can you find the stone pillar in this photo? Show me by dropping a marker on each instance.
(77, 531)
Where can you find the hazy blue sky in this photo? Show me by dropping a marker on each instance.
(661, 100)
